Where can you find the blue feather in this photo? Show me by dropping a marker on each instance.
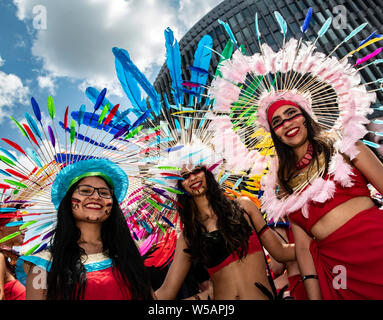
(100, 99)
(306, 23)
(325, 27)
(93, 94)
(173, 61)
(86, 120)
(178, 127)
(87, 139)
(81, 114)
(8, 154)
(5, 173)
(32, 154)
(167, 104)
(202, 58)
(36, 109)
(140, 120)
(354, 32)
(174, 148)
(200, 70)
(281, 22)
(122, 131)
(371, 36)
(258, 34)
(128, 65)
(229, 32)
(33, 125)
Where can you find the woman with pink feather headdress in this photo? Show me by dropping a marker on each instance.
(311, 109)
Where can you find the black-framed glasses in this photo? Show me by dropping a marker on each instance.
(86, 190)
(186, 175)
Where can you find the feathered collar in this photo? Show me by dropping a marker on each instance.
(319, 190)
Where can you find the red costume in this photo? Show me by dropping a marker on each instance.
(14, 290)
(349, 262)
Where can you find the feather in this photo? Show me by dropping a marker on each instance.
(16, 183)
(72, 131)
(93, 94)
(133, 132)
(191, 84)
(103, 113)
(167, 221)
(20, 127)
(51, 107)
(33, 155)
(225, 55)
(371, 144)
(81, 114)
(33, 125)
(7, 161)
(4, 173)
(8, 154)
(66, 118)
(229, 32)
(122, 131)
(202, 58)
(173, 61)
(100, 99)
(86, 139)
(141, 119)
(371, 36)
(30, 133)
(281, 22)
(354, 32)
(367, 57)
(51, 136)
(176, 148)
(128, 65)
(10, 236)
(306, 23)
(36, 109)
(167, 104)
(111, 114)
(91, 120)
(17, 174)
(325, 27)
(257, 33)
(14, 145)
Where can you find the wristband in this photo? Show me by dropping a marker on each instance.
(310, 276)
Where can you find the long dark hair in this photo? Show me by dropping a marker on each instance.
(287, 159)
(230, 221)
(67, 276)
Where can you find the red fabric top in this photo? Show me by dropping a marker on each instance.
(103, 285)
(318, 210)
(254, 245)
(14, 290)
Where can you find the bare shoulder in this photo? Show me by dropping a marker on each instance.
(247, 204)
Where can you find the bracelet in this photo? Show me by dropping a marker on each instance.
(310, 276)
(263, 229)
(196, 296)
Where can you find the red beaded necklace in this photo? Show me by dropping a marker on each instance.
(304, 162)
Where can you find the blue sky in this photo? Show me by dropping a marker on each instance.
(58, 48)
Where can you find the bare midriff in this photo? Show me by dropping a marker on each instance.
(339, 215)
(236, 281)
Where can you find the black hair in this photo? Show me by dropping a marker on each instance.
(230, 221)
(67, 276)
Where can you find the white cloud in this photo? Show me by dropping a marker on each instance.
(2, 61)
(79, 36)
(46, 83)
(12, 91)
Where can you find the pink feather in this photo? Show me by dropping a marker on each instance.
(369, 56)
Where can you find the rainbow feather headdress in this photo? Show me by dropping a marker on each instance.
(328, 88)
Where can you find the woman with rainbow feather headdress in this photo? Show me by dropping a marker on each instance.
(311, 108)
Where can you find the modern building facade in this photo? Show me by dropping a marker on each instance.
(239, 14)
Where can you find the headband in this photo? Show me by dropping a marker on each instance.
(276, 105)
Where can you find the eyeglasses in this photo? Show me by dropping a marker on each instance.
(188, 174)
(87, 191)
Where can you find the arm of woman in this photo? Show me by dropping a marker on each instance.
(306, 262)
(3, 270)
(177, 272)
(369, 165)
(282, 252)
(36, 283)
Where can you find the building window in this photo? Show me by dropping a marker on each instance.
(232, 22)
(246, 33)
(239, 17)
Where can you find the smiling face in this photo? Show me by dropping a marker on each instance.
(194, 181)
(288, 124)
(89, 207)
